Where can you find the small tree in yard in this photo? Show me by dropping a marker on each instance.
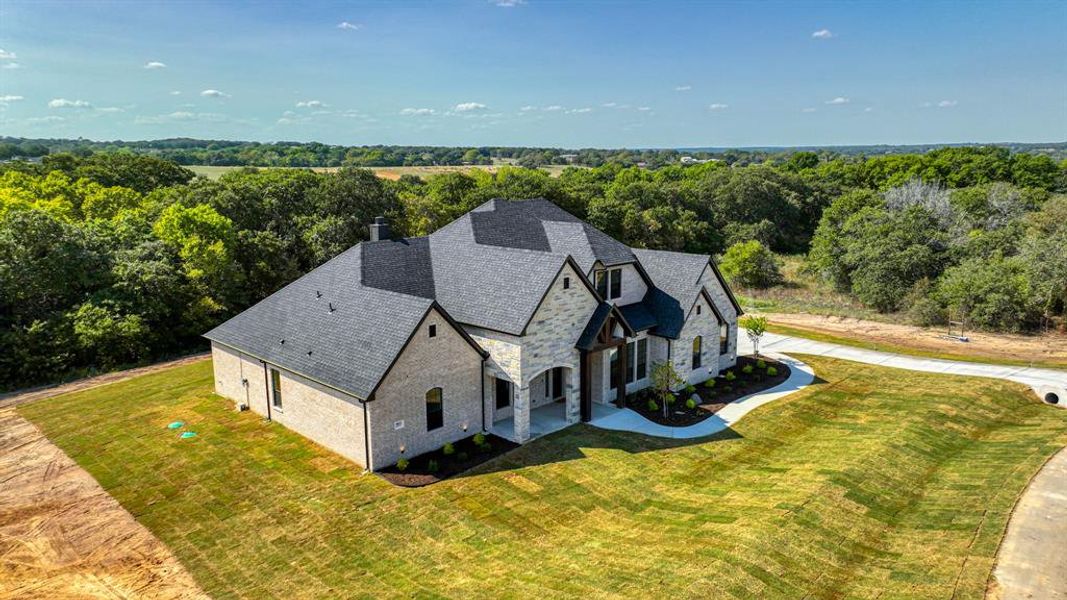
(664, 379)
(755, 327)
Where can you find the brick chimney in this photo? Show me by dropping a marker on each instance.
(379, 230)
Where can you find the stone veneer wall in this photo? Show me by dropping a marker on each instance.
(550, 340)
(706, 325)
(325, 416)
(726, 309)
(446, 361)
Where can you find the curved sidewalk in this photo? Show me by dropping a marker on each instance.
(800, 376)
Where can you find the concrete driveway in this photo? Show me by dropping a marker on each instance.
(1042, 381)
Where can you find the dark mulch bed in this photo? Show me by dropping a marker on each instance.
(420, 471)
(714, 393)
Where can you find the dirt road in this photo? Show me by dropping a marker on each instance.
(63, 536)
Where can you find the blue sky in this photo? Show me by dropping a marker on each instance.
(573, 74)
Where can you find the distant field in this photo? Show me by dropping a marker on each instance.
(393, 173)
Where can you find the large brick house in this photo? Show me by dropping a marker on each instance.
(514, 314)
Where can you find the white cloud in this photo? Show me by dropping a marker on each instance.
(417, 112)
(582, 110)
(822, 34)
(214, 94)
(868, 109)
(49, 119)
(839, 100)
(718, 106)
(807, 110)
(947, 104)
(469, 106)
(10, 98)
(644, 108)
(683, 88)
(5, 55)
(508, 3)
(527, 108)
(11, 65)
(311, 104)
(109, 109)
(552, 108)
(349, 26)
(179, 116)
(610, 104)
(154, 64)
(176, 93)
(64, 103)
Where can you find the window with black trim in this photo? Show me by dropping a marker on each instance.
(609, 283)
(276, 388)
(642, 358)
(433, 330)
(435, 409)
(724, 338)
(698, 309)
(566, 283)
(697, 343)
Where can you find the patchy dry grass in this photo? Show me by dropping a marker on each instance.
(872, 483)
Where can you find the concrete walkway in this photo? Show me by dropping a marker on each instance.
(800, 376)
(1042, 381)
(1030, 562)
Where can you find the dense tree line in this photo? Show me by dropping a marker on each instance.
(116, 258)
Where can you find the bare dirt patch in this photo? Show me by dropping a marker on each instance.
(63, 536)
(1050, 348)
(23, 396)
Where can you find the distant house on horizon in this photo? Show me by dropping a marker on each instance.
(516, 318)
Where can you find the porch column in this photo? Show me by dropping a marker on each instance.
(585, 395)
(521, 414)
(623, 365)
(571, 391)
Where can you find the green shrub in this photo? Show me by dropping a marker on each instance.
(462, 456)
(772, 371)
(761, 364)
(486, 447)
(689, 389)
(432, 466)
(402, 464)
(448, 449)
(690, 404)
(479, 439)
(669, 398)
(710, 383)
(652, 406)
(751, 264)
(728, 389)
(747, 369)
(730, 376)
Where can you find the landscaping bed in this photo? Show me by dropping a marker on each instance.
(749, 376)
(450, 459)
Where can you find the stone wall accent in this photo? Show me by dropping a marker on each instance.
(706, 325)
(726, 309)
(505, 362)
(321, 414)
(446, 361)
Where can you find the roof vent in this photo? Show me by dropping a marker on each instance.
(379, 230)
(281, 341)
(331, 306)
(318, 294)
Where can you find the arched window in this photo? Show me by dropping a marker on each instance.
(435, 409)
(697, 344)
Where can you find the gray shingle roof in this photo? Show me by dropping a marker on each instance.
(351, 347)
(676, 277)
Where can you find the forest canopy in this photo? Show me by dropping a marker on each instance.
(116, 258)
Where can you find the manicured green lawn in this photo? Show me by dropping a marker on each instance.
(873, 483)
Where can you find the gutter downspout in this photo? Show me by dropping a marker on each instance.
(366, 437)
(483, 392)
(266, 387)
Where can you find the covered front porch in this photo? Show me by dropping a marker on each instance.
(546, 419)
